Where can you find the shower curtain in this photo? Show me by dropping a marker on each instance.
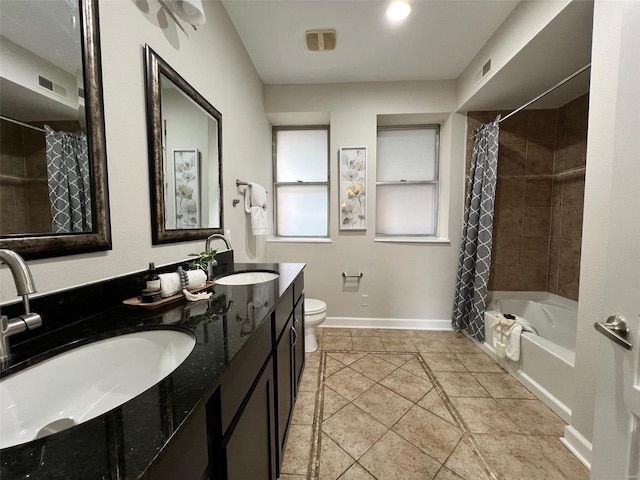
(68, 181)
(475, 250)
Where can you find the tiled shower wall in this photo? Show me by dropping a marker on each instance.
(24, 194)
(537, 229)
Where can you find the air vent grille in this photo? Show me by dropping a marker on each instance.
(51, 86)
(321, 39)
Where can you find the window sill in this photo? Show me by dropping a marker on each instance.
(431, 240)
(298, 240)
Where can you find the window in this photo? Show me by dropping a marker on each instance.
(301, 181)
(407, 180)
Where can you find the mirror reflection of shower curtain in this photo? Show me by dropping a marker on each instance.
(475, 249)
(69, 182)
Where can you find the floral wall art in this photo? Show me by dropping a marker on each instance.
(186, 170)
(353, 182)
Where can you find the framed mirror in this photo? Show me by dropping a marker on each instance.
(185, 156)
(53, 172)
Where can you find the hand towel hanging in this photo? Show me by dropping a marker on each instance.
(255, 204)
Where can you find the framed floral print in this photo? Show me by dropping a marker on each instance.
(186, 171)
(353, 182)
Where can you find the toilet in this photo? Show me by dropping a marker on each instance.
(315, 311)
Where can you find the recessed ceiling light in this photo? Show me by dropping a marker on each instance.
(398, 10)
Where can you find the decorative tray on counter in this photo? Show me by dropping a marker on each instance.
(136, 302)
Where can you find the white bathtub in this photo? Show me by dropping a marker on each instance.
(547, 359)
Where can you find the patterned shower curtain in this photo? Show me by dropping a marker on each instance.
(69, 182)
(475, 250)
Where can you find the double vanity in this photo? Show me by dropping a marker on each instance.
(192, 390)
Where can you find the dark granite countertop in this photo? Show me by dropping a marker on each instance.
(126, 441)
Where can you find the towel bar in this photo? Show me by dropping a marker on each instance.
(352, 275)
(242, 183)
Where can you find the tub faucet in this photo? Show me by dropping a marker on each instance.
(24, 286)
(207, 248)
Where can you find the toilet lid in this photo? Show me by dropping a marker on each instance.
(312, 305)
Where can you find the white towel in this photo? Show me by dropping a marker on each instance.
(513, 342)
(255, 203)
(170, 282)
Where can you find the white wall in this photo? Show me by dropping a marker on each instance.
(215, 62)
(403, 280)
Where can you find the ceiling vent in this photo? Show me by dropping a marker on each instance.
(482, 72)
(320, 40)
(51, 86)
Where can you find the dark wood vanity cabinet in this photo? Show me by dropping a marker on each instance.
(248, 417)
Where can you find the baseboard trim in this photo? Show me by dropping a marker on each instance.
(578, 445)
(390, 323)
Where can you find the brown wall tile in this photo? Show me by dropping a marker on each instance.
(539, 158)
(541, 126)
(536, 222)
(538, 192)
(535, 250)
(512, 159)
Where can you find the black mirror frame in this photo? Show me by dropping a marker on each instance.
(55, 245)
(155, 66)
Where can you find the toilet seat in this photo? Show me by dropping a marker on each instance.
(313, 306)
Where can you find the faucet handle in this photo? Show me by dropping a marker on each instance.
(32, 320)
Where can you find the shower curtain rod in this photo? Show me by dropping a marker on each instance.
(22, 124)
(562, 82)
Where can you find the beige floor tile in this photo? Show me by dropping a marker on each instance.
(396, 359)
(431, 434)
(394, 458)
(365, 332)
(309, 381)
(398, 344)
(367, 344)
(337, 343)
(442, 362)
(392, 333)
(483, 415)
(459, 384)
(312, 360)
(332, 366)
(356, 472)
(383, 404)
(333, 460)
(407, 384)
(433, 403)
(346, 358)
(349, 383)
(331, 331)
(502, 385)
(304, 409)
(464, 461)
(286, 476)
(458, 343)
(298, 450)
(517, 457)
(446, 474)
(414, 366)
(479, 362)
(353, 430)
(333, 402)
(430, 345)
(373, 367)
(532, 416)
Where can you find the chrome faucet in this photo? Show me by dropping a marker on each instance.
(24, 286)
(207, 248)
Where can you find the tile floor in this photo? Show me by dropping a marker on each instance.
(405, 405)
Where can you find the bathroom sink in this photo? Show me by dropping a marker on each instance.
(85, 382)
(247, 278)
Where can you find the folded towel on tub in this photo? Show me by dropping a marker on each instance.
(509, 330)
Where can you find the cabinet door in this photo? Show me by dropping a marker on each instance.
(249, 448)
(298, 348)
(284, 382)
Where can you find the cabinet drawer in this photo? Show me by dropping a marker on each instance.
(283, 311)
(243, 371)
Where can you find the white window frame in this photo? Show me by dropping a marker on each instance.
(277, 185)
(401, 182)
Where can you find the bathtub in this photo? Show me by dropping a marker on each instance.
(547, 359)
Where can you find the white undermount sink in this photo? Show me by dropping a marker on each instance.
(85, 382)
(246, 278)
